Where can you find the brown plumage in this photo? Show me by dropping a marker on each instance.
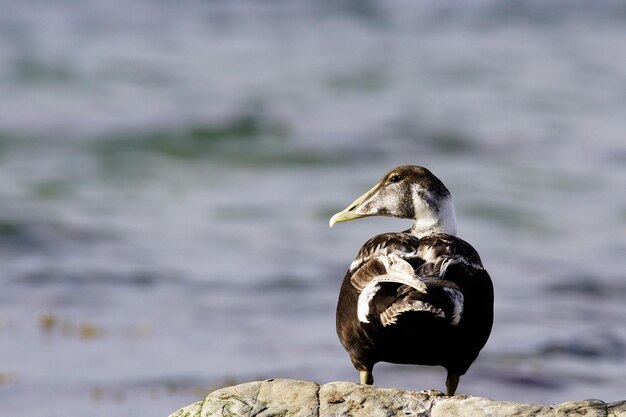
(416, 297)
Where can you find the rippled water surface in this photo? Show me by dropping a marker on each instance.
(167, 172)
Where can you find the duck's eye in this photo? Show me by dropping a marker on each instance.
(395, 178)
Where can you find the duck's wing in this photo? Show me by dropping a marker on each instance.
(384, 263)
(409, 275)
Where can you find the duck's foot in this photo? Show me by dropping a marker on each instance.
(366, 377)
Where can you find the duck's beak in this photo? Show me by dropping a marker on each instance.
(350, 213)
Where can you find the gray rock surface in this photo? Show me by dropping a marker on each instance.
(284, 397)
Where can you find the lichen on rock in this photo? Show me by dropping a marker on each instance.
(293, 398)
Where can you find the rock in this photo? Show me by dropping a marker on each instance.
(284, 397)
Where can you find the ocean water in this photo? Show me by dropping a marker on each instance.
(167, 172)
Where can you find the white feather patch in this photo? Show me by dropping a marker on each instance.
(444, 265)
(370, 290)
(430, 254)
(383, 251)
(390, 316)
(457, 301)
(365, 298)
(399, 271)
(356, 263)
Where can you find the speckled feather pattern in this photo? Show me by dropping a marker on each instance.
(420, 296)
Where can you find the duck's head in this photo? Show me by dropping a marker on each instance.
(408, 192)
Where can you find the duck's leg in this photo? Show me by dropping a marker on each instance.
(366, 377)
(452, 381)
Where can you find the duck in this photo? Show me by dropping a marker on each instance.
(420, 296)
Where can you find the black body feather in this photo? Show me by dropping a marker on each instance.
(445, 323)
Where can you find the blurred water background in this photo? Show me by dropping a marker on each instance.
(168, 169)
